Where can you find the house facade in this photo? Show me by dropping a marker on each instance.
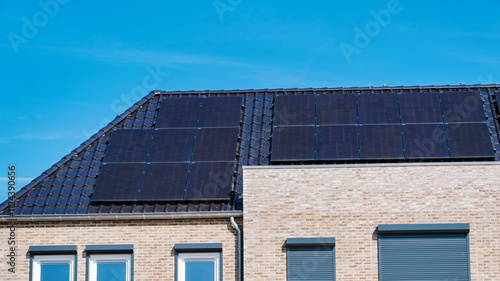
(391, 183)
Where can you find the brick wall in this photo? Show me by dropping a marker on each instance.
(153, 242)
(349, 202)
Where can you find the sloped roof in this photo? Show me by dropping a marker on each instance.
(67, 187)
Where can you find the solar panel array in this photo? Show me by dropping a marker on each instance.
(386, 126)
(190, 155)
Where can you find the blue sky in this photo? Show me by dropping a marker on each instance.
(69, 67)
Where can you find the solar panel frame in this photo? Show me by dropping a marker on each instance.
(118, 182)
(164, 181)
(210, 180)
(469, 140)
(459, 107)
(215, 144)
(301, 148)
(380, 142)
(128, 145)
(337, 142)
(172, 145)
(378, 108)
(292, 110)
(425, 141)
(220, 112)
(178, 113)
(336, 109)
(420, 108)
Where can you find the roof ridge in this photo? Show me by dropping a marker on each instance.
(186, 92)
(25, 189)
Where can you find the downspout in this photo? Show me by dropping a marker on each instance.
(239, 247)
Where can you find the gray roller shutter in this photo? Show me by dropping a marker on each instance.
(310, 259)
(424, 255)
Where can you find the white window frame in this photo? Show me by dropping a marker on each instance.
(182, 258)
(94, 259)
(39, 260)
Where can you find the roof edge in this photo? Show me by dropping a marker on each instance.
(187, 92)
(121, 217)
(411, 164)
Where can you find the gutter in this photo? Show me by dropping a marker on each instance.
(122, 217)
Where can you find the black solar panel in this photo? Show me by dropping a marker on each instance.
(462, 107)
(293, 143)
(210, 180)
(178, 112)
(336, 109)
(164, 181)
(425, 141)
(337, 142)
(172, 145)
(126, 145)
(220, 112)
(215, 144)
(118, 182)
(469, 140)
(294, 110)
(378, 108)
(380, 142)
(420, 108)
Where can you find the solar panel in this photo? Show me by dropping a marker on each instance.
(172, 145)
(293, 143)
(164, 181)
(336, 109)
(420, 108)
(378, 108)
(118, 182)
(337, 142)
(380, 142)
(128, 145)
(220, 112)
(215, 144)
(294, 110)
(178, 112)
(210, 180)
(462, 107)
(469, 140)
(425, 141)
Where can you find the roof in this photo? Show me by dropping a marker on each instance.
(67, 187)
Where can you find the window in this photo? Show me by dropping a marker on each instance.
(198, 262)
(424, 252)
(109, 262)
(311, 259)
(53, 263)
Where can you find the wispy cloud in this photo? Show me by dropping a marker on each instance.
(18, 180)
(142, 56)
(29, 137)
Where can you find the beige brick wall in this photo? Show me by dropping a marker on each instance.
(153, 242)
(349, 202)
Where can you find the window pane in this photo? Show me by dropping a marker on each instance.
(111, 272)
(54, 272)
(200, 271)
